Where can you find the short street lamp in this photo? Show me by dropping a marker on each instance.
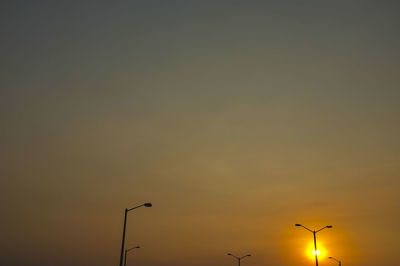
(126, 252)
(238, 258)
(332, 258)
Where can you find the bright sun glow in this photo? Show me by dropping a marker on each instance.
(318, 252)
(321, 251)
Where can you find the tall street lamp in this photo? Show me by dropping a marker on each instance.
(332, 258)
(126, 251)
(239, 258)
(315, 239)
(124, 229)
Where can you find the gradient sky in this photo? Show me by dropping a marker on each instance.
(236, 119)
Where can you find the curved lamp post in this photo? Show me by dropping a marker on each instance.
(124, 229)
(126, 251)
(332, 258)
(315, 239)
(238, 258)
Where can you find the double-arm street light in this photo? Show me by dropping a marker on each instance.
(126, 252)
(332, 258)
(124, 229)
(315, 239)
(238, 258)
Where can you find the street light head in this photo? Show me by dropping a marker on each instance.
(297, 225)
(148, 204)
(229, 254)
(248, 255)
(329, 257)
(137, 247)
(329, 226)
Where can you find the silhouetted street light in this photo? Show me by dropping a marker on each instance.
(315, 239)
(238, 258)
(124, 229)
(332, 258)
(126, 251)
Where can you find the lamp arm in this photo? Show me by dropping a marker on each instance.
(307, 229)
(134, 207)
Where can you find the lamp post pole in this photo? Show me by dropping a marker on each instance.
(315, 248)
(315, 239)
(239, 258)
(124, 229)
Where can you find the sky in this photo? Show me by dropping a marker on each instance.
(235, 119)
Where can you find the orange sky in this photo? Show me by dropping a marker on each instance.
(235, 119)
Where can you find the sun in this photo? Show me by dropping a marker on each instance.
(318, 252)
(321, 251)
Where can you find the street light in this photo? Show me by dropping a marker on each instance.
(239, 258)
(332, 258)
(315, 239)
(148, 204)
(126, 251)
